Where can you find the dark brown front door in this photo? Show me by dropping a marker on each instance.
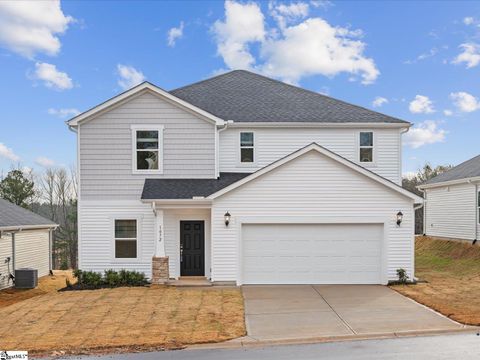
(192, 248)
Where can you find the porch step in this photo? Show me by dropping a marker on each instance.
(190, 281)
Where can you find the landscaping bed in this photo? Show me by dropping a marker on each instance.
(128, 318)
(451, 270)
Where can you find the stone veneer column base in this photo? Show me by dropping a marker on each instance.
(160, 273)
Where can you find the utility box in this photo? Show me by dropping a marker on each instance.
(26, 278)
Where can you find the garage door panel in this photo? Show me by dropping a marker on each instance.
(312, 253)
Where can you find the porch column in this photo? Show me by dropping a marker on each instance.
(160, 270)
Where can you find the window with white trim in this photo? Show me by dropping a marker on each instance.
(126, 238)
(247, 147)
(366, 146)
(147, 146)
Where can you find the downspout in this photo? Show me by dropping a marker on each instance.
(476, 204)
(50, 255)
(225, 126)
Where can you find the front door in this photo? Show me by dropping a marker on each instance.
(192, 248)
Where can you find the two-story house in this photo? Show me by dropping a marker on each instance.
(243, 179)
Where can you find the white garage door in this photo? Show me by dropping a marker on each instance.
(312, 253)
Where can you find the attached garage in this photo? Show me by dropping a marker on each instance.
(312, 253)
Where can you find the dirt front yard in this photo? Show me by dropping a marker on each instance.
(452, 272)
(125, 318)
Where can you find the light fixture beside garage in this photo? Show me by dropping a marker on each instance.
(399, 218)
(227, 217)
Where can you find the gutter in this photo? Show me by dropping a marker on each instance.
(27, 227)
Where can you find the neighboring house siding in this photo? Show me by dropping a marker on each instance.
(171, 224)
(106, 147)
(5, 251)
(32, 250)
(311, 186)
(450, 211)
(96, 246)
(274, 143)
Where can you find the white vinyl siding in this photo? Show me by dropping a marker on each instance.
(451, 211)
(272, 144)
(97, 241)
(31, 250)
(106, 147)
(325, 190)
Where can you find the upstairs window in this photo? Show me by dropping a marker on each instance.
(366, 146)
(247, 147)
(147, 156)
(125, 239)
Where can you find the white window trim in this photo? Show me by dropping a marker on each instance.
(138, 219)
(254, 147)
(373, 147)
(134, 129)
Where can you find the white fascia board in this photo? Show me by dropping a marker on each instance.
(145, 86)
(320, 125)
(28, 227)
(193, 201)
(328, 153)
(448, 183)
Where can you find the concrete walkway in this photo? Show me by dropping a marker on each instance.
(288, 312)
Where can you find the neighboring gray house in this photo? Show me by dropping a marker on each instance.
(243, 179)
(25, 241)
(452, 202)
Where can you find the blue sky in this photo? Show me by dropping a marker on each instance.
(420, 61)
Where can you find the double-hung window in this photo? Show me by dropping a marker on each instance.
(147, 148)
(126, 238)
(366, 146)
(247, 147)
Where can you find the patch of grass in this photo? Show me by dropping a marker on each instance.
(452, 272)
(133, 318)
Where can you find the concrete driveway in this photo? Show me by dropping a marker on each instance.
(307, 311)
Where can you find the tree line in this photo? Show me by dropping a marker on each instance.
(53, 195)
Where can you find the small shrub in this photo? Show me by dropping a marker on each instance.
(77, 274)
(402, 276)
(111, 278)
(92, 279)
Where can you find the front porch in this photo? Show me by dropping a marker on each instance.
(182, 245)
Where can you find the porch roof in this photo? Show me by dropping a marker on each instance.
(163, 189)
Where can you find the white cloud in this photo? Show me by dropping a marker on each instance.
(447, 112)
(291, 52)
(8, 153)
(52, 77)
(129, 76)
(421, 105)
(30, 27)
(44, 162)
(465, 102)
(244, 24)
(324, 4)
(424, 133)
(470, 55)
(174, 34)
(379, 101)
(64, 113)
(285, 14)
(468, 20)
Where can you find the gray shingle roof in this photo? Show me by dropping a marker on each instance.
(243, 96)
(467, 169)
(156, 189)
(12, 215)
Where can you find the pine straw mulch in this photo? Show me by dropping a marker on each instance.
(122, 319)
(451, 270)
(46, 284)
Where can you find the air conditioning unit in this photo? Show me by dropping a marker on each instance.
(26, 278)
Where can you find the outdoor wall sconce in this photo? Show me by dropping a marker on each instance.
(227, 217)
(399, 218)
